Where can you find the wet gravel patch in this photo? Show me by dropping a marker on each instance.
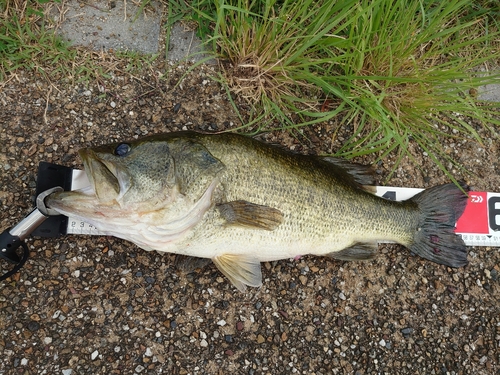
(99, 305)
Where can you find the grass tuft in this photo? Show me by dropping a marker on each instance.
(393, 70)
(28, 41)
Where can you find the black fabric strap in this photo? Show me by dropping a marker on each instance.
(20, 264)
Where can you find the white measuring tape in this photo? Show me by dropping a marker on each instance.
(479, 225)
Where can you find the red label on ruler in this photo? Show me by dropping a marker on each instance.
(475, 216)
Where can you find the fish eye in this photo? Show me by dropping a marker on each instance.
(122, 149)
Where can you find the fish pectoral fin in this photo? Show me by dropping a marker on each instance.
(358, 251)
(250, 215)
(241, 270)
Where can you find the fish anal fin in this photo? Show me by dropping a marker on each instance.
(250, 215)
(358, 251)
(241, 270)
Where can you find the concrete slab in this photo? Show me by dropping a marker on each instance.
(115, 24)
(490, 92)
(185, 45)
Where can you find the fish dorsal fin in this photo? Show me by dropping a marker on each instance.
(241, 270)
(362, 175)
(358, 251)
(250, 215)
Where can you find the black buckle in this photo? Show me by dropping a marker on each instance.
(9, 246)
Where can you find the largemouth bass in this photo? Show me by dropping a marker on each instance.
(240, 202)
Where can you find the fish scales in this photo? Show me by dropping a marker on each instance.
(322, 213)
(240, 202)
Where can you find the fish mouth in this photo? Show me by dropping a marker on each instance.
(109, 181)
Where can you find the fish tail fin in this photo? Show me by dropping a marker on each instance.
(435, 239)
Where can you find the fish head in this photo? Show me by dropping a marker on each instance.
(151, 191)
(131, 173)
(125, 177)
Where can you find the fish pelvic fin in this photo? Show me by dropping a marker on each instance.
(250, 215)
(358, 251)
(241, 270)
(435, 239)
(188, 264)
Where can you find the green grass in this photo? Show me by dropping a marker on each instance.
(136, 62)
(25, 42)
(28, 42)
(411, 76)
(392, 70)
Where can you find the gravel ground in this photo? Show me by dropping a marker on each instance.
(99, 305)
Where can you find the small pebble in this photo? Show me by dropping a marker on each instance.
(284, 314)
(240, 326)
(494, 274)
(33, 326)
(303, 279)
(406, 331)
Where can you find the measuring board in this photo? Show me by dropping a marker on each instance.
(479, 225)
